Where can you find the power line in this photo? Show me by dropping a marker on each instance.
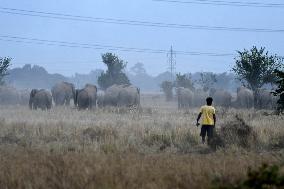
(226, 3)
(36, 41)
(131, 22)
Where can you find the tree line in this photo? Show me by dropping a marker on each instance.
(253, 68)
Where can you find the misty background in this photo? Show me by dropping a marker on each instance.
(41, 64)
(28, 77)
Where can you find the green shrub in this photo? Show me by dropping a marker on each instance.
(265, 177)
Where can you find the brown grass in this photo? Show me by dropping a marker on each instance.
(158, 147)
(22, 168)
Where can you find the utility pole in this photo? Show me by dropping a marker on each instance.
(172, 63)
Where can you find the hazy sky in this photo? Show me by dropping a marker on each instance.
(67, 61)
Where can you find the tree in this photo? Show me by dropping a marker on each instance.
(138, 69)
(4, 65)
(280, 90)
(114, 73)
(207, 80)
(183, 80)
(167, 88)
(255, 67)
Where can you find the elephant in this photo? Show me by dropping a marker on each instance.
(111, 95)
(221, 97)
(40, 99)
(264, 99)
(122, 95)
(245, 98)
(86, 98)
(185, 97)
(82, 99)
(129, 96)
(100, 99)
(62, 93)
(92, 92)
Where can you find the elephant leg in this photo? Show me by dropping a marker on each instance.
(48, 107)
(91, 103)
(67, 102)
(56, 101)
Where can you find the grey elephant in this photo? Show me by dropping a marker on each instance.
(264, 99)
(100, 99)
(86, 98)
(40, 99)
(245, 98)
(111, 95)
(92, 92)
(185, 97)
(82, 99)
(221, 97)
(62, 93)
(122, 95)
(129, 96)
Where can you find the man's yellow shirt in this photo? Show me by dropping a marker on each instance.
(207, 115)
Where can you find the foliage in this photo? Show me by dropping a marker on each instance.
(114, 73)
(255, 67)
(235, 132)
(280, 90)
(167, 88)
(4, 65)
(265, 177)
(207, 80)
(183, 80)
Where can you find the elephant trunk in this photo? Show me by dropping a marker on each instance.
(31, 103)
(32, 95)
(76, 97)
(73, 93)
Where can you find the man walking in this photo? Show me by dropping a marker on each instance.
(207, 113)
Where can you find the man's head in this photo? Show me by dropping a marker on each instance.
(209, 101)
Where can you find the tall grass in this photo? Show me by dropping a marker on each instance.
(158, 147)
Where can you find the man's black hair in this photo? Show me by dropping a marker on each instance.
(209, 101)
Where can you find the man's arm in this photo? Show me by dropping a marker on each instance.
(198, 118)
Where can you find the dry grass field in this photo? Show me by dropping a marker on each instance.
(158, 147)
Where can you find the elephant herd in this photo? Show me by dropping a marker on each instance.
(86, 98)
(63, 93)
(244, 98)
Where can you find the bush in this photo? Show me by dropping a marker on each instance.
(162, 140)
(277, 142)
(235, 132)
(100, 134)
(265, 177)
(185, 142)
